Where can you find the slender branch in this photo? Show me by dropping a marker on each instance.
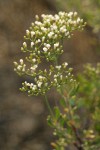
(80, 142)
(48, 105)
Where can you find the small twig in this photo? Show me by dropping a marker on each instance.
(78, 144)
(48, 105)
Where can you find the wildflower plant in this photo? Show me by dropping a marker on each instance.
(44, 41)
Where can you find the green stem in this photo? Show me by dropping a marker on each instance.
(66, 99)
(48, 105)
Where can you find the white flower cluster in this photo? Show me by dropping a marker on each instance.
(46, 34)
(20, 68)
(40, 86)
(62, 75)
(44, 41)
(44, 80)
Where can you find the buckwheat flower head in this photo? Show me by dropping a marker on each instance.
(43, 42)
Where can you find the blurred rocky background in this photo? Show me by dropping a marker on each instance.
(23, 123)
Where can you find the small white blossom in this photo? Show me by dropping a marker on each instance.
(61, 13)
(63, 29)
(32, 24)
(46, 84)
(32, 44)
(75, 14)
(15, 63)
(78, 20)
(66, 77)
(50, 34)
(28, 84)
(48, 20)
(43, 38)
(38, 40)
(70, 14)
(32, 33)
(55, 76)
(39, 84)
(41, 77)
(56, 17)
(38, 23)
(69, 74)
(67, 33)
(45, 49)
(39, 52)
(54, 27)
(21, 61)
(71, 80)
(33, 68)
(19, 67)
(48, 46)
(56, 45)
(37, 17)
(61, 77)
(55, 80)
(15, 69)
(24, 44)
(50, 73)
(55, 36)
(27, 32)
(65, 64)
(58, 67)
(34, 60)
(34, 87)
(43, 15)
(43, 29)
(22, 48)
(69, 21)
(31, 85)
(50, 17)
(25, 82)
